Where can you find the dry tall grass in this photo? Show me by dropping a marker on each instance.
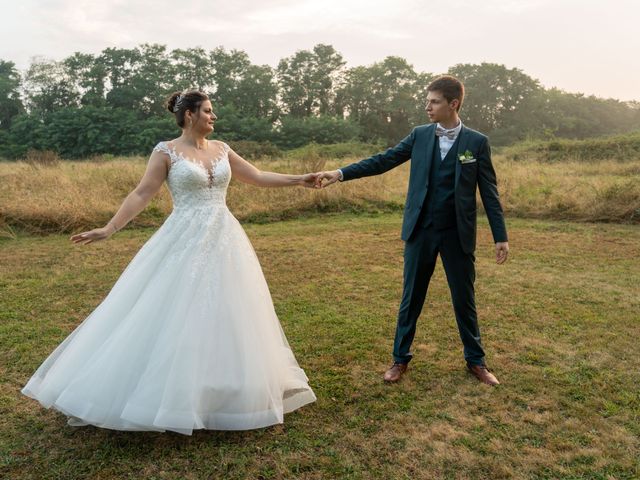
(625, 147)
(604, 191)
(76, 195)
(68, 196)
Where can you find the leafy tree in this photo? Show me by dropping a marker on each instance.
(193, 68)
(120, 66)
(10, 102)
(295, 132)
(140, 78)
(384, 99)
(250, 89)
(153, 79)
(113, 102)
(308, 80)
(233, 125)
(571, 115)
(259, 93)
(26, 132)
(89, 77)
(49, 86)
(499, 98)
(229, 68)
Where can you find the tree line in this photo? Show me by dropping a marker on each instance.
(113, 102)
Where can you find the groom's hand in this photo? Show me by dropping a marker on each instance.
(327, 178)
(502, 251)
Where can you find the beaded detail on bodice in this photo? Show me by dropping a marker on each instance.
(194, 185)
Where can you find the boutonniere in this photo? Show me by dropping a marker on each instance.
(466, 157)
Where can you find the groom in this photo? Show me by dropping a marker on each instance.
(449, 162)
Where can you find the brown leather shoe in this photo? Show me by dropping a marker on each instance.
(483, 374)
(395, 372)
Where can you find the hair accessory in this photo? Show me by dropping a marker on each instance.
(178, 104)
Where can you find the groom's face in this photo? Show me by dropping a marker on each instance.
(438, 109)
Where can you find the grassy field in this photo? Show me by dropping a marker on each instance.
(560, 323)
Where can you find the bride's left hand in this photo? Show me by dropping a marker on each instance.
(310, 180)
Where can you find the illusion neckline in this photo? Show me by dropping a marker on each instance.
(208, 170)
(213, 160)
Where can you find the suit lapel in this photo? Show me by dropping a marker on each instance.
(462, 147)
(431, 139)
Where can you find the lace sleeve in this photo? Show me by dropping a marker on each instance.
(163, 147)
(224, 147)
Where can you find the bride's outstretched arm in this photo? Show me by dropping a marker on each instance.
(135, 202)
(246, 172)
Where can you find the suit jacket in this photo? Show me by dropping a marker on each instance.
(419, 147)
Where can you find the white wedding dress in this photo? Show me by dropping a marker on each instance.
(188, 337)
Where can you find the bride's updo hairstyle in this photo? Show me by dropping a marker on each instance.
(180, 102)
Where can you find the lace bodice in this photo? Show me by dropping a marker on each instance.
(194, 185)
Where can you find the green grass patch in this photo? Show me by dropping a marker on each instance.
(559, 322)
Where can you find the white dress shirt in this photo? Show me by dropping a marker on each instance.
(444, 142)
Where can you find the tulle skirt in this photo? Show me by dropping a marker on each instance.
(187, 339)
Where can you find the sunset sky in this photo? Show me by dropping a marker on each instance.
(583, 46)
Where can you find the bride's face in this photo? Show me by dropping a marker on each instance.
(204, 119)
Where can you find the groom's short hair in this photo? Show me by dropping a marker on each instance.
(450, 87)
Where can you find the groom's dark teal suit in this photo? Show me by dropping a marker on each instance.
(440, 218)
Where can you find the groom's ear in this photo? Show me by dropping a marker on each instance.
(455, 104)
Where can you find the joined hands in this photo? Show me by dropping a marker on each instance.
(320, 179)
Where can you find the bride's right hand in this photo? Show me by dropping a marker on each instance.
(94, 235)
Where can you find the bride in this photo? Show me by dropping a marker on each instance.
(188, 337)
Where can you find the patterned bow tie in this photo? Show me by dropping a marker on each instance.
(450, 134)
